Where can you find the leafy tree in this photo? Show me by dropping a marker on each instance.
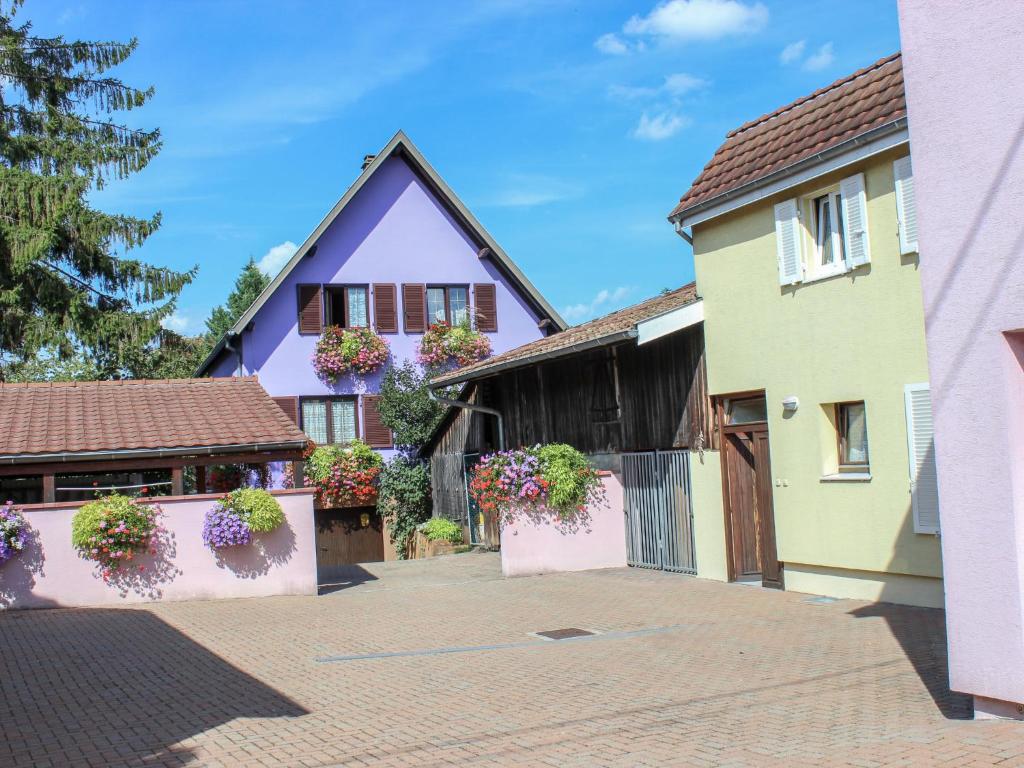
(248, 287)
(65, 281)
(405, 406)
(403, 498)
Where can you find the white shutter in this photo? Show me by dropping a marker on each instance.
(924, 483)
(906, 205)
(855, 220)
(788, 240)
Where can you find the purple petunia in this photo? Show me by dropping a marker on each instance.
(224, 528)
(13, 532)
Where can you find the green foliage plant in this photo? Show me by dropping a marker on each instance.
(258, 508)
(405, 406)
(112, 530)
(570, 478)
(442, 529)
(404, 498)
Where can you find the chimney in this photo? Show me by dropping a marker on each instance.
(367, 159)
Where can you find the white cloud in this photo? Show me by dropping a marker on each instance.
(604, 301)
(681, 20)
(660, 127)
(822, 58)
(521, 190)
(272, 261)
(611, 44)
(177, 322)
(681, 83)
(793, 52)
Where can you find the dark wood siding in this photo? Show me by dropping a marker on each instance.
(486, 305)
(385, 307)
(311, 309)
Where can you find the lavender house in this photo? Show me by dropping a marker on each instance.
(397, 252)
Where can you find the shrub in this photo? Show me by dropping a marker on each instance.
(13, 532)
(112, 530)
(405, 406)
(223, 527)
(442, 529)
(443, 343)
(344, 474)
(556, 477)
(404, 500)
(341, 350)
(257, 508)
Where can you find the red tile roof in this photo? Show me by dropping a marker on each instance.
(75, 417)
(854, 105)
(608, 325)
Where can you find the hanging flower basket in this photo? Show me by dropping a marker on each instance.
(238, 515)
(444, 344)
(341, 350)
(113, 530)
(13, 532)
(344, 477)
(554, 478)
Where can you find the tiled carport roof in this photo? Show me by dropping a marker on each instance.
(854, 105)
(606, 328)
(99, 417)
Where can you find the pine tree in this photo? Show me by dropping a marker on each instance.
(248, 287)
(65, 281)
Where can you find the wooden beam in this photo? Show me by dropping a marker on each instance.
(200, 479)
(299, 474)
(49, 489)
(177, 481)
(128, 465)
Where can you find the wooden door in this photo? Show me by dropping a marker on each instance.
(747, 481)
(342, 539)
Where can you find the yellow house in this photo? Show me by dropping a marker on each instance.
(820, 475)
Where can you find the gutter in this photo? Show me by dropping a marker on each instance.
(522, 362)
(838, 149)
(473, 407)
(66, 457)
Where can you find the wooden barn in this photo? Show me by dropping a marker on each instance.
(628, 389)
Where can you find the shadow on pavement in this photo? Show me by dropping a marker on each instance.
(115, 687)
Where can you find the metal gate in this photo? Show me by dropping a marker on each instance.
(659, 512)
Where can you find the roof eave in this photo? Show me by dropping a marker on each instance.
(730, 200)
(68, 457)
(523, 362)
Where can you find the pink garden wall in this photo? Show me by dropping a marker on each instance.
(964, 78)
(534, 544)
(50, 573)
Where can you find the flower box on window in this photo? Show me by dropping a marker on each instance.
(343, 350)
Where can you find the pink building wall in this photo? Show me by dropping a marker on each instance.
(532, 545)
(50, 573)
(964, 78)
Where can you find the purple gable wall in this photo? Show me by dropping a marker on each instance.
(393, 231)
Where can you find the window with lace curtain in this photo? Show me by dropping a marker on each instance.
(330, 420)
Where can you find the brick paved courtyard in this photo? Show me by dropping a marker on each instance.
(434, 663)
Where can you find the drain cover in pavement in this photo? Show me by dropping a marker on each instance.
(564, 634)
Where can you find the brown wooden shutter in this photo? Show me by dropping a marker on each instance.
(290, 406)
(414, 306)
(311, 309)
(486, 307)
(375, 433)
(385, 307)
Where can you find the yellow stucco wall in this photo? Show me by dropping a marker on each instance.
(708, 515)
(857, 336)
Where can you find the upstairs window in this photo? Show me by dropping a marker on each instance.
(347, 306)
(447, 304)
(330, 420)
(829, 251)
(852, 426)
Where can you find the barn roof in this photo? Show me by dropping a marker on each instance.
(89, 419)
(599, 332)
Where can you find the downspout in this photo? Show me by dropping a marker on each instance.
(473, 407)
(229, 344)
(682, 233)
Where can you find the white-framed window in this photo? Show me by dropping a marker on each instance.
(824, 233)
(826, 211)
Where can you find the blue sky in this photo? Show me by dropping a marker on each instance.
(570, 128)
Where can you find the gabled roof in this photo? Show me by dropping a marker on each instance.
(42, 420)
(612, 328)
(401, 145)
(866, 101)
